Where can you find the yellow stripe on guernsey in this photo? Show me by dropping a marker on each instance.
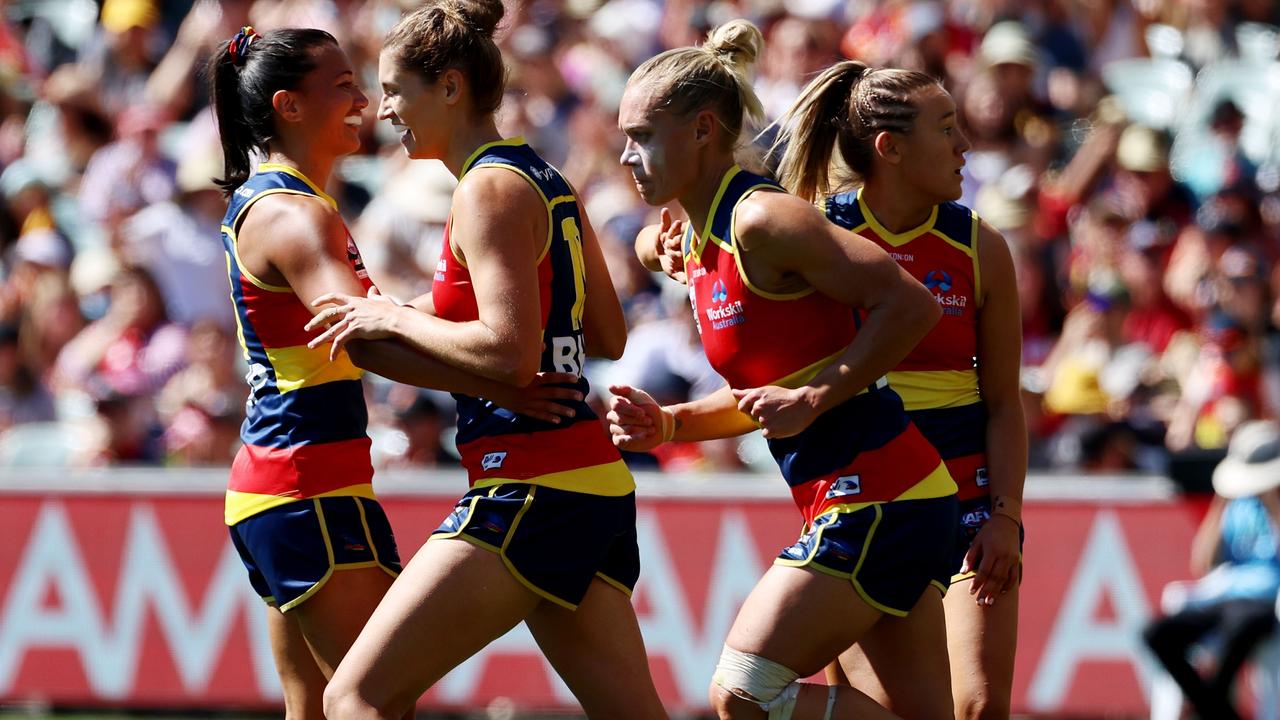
(930, 389)
(300, 366)
(611, 479)
(805, 374)
(241, 505)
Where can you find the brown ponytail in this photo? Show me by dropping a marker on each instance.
(847, 105)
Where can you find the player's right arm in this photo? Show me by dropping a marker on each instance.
(638, 423)
(308, 251)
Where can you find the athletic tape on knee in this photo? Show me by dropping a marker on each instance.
(785, 704)
(753, 678)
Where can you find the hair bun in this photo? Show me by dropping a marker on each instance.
(737, 43)
(482, 15)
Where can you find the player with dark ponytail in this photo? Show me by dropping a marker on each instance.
(300, 501)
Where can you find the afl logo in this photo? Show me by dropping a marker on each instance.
(939, 280)
(719, 293)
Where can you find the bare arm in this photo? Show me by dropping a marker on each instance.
(996, 552)
(604, 327)
(637, 423)
(499, 225)
(308, 249)
(788, 235)
(1208, 538)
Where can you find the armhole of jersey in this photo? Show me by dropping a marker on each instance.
(977, 274)
(546, 203)
(732, 247)
(233, 232)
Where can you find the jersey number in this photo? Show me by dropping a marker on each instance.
(573, 237)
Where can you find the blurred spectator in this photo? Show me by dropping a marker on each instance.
(106, 149)
(128, 174)
(402, 227)
(23, 397)
(133, 350)
(202, 405)
(421, 419)
(178, 241)
(120, 58)
(1236, 553)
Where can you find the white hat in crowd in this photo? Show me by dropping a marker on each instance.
(1252, 465)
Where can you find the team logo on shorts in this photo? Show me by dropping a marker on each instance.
(493, 460)
(980, 477)
(975, 518)
(847, 485)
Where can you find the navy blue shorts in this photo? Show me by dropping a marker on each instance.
(891, 552)
(292, 549)
(973, 514)
(555, 542)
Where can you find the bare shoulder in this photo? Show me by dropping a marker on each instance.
(491, 189)
(764, 217)
(300, 222)
(992, 246)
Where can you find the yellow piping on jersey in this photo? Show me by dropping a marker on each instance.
(895, 239)
(277, 167)
(977, 275)
(696, 248)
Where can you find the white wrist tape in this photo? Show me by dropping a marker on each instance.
(667, 423)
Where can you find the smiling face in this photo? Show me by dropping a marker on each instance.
(417, 110)
(332, 103)
(932, 154)
(658, 146)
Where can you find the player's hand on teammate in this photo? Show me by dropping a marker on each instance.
(996, 557)
(671, 247)
(538, 399)
(780, 412)
(366, 318)
(636, 421)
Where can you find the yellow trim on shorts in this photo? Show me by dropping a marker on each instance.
(328, 547)
(528, 502)
(471, 508)
(866, 546)
(625, 590)
(368, 538)
(961, 577)
(852, 577)
(502, 551)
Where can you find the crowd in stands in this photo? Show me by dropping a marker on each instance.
(1128, 149)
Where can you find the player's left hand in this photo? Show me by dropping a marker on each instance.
(780, 412)
(350, 317)
(996, 558)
